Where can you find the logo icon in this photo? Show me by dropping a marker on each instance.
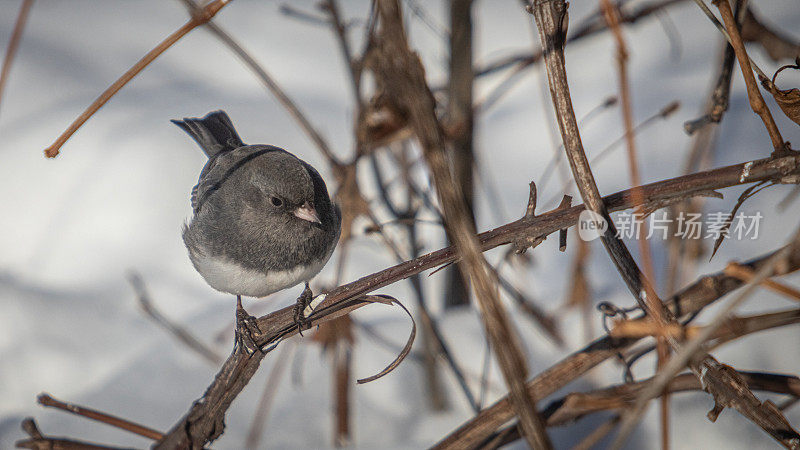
(591, 225)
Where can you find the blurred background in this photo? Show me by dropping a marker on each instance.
(113, 202)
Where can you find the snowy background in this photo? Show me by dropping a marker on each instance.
(117, 196)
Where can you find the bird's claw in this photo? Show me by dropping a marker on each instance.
(299, 309)
(246, 331)
(305, 306)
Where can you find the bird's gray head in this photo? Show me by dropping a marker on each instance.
(284, 188)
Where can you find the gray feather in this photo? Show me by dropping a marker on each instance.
(214, 132)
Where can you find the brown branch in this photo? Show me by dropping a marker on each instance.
(656, 308)
(204, 422)
(551, 20)
(199, 18)
(261, 414)
(736, 327)
(13, 43)
(597, 434)
(593, 25)
(179, 332)
(721, 28)
(38, 441)
(461, 120)
(753, 93)
(269, 83)
(404, 84)
(720, 95)
(432, 339)
(732, 328)
(642, 328)
(683, 253)
(579, 290)
(690, 300)
(719, 379)
(344, 46)
(745, 274)
(132, 427)
(577, 405)
(336, 339)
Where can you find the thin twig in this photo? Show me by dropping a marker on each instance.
(577, 405)
(403, 79)
(114, 421)
(753, 93)
(38, 441)
(265, 402)
(663, 114)
(612, 17)
(594, 24)
(269, 83)
(551, 21)
(597, 434)
(720, 95)
(689, 350)
(746, 274)
(179, 332)
(724, 31)
(237, 370)
(13, 43)
(341, 33)
(199, 18)
(687, 302)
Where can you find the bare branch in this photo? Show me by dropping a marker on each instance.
(13, 43)
(719, 379)
(179, 332)
(132, 427)
(405, 86)
(756, 100)
(269, 83)
(199, 18)
(687, 302)
(38, 441)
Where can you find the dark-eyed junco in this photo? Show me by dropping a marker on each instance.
(263, 220)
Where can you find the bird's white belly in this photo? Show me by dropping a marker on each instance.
(227, 276)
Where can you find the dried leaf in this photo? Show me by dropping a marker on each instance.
(406, 349)
(749, 192)
(788, 99)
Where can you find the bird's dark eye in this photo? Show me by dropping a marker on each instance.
(276, 201)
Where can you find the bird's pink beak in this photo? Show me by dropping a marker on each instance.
(307, 212)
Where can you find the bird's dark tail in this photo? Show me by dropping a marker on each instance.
(214, 132)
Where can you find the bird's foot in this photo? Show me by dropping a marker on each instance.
(246, 331)
(299, 308)
(305, 306)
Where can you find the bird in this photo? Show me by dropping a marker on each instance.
(262, 218)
